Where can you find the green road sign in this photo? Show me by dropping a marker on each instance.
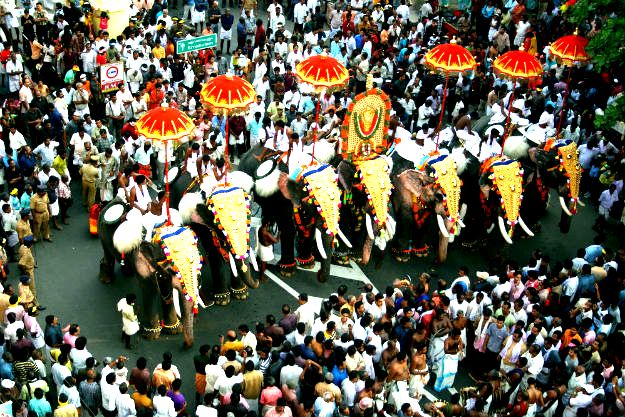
(195, 44)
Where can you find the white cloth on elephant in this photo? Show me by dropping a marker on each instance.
(130, 322)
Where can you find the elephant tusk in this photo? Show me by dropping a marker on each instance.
(452, 238)
(581, 203)
(441, 226)
(463, 211)
(390, 226)
(343, 237)
(369, 227)
(319, 241)
(564, 207)
(460, 222)
(176, 300)
(504, 233)
(233, 265)
(490, 229)
(253, 260)
(525, 228)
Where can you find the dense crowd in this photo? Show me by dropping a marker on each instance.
(542, 337)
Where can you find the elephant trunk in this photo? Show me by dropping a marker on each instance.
(502, 229)
(188, 323)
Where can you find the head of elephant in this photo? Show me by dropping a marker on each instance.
(569, 174)
(372, 178)
(230, 208)
(505, 177)
(317, 187)
(151, 263)
(442, 168)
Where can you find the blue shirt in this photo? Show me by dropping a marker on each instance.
(25, 201)
(27, 164)
(41, 407)
(227, 21)
(222, 125)
(586, 284)
(241, 31)
(339, 376)
(592, 252)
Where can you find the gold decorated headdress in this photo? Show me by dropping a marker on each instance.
(446, 175)
(231, 209)
(507, 177)
(374, 175)
(569, 163)
(365, 127)
(321, 184)
(180, 247)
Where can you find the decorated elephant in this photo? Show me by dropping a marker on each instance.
(222, 223)
(435, 188)
(553, 164)
(364, 173)
(304, 205)
(170, 261)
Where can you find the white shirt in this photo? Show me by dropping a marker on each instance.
(125, 406)
(305, 313)
(299, 13)
(163, 406)
(110, 392)
(213, 373)
(16, 140)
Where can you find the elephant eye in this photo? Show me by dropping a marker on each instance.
(569, 156)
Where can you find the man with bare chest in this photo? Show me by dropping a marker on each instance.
(419, 371)
(397, 379)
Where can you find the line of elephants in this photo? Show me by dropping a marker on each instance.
(383, 201)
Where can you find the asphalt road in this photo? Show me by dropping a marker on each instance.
(67, 280)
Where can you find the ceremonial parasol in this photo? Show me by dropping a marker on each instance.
(569, 49)
(230, 94)
(323, 72)
(516, 65)
(165, 124)
(449, 58)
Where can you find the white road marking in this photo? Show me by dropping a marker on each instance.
(315, 301)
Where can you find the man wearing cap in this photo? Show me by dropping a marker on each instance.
(70, 75)
(39, 206)
(90, 174)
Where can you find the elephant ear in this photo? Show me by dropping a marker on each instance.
(347, 172)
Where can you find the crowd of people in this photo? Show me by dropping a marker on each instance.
(541, 338)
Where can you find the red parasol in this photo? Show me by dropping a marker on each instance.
(165, 124)
(449, 58)
(323, 72)
(570, 49)
(516, 65)
(230, 94)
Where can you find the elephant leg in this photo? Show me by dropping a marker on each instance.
(171, 323)
(286, 225)
(107, 268)
(248, 277)
(305, 243)
(401, 242)
(222, 276)
(150, 315)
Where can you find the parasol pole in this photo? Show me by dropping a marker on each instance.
(312, 161)
(227, 160)
(167, 182)
(566, 96)
(505, 132)
(440, 119)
